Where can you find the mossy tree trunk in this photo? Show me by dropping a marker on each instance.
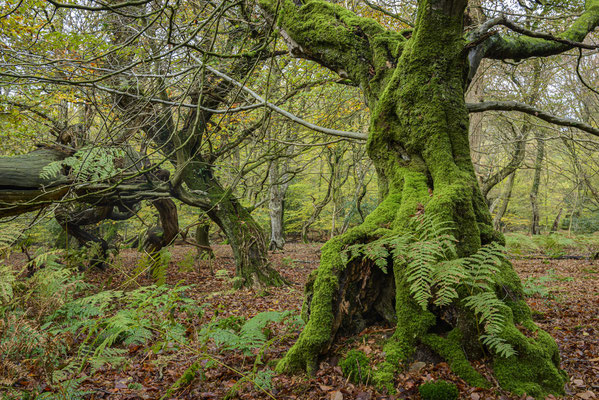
(245, 236)
(414, 83)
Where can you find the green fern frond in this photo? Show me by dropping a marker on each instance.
(88, 164)
(447, 277)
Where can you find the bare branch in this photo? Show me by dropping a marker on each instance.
(527, 109)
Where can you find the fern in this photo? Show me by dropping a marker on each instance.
(7, 280)
(448, 275)
(10, 233)
(251, 335)
(429, 254)
(483, 265)
(156, 265)
(88, 164)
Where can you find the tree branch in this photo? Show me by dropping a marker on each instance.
(527, 109)
(333, 132)
(323, 32)
(536, 44)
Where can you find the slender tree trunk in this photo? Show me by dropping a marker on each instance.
(556, 221)
(279, 183)
(504, 200)
(318, 207)
(245, 236)
(534, 190)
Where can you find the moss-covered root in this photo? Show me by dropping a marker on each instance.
(451, 350)
(320, 329)
(317, 334)
(535, 369)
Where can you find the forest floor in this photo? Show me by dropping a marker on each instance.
(564, 297)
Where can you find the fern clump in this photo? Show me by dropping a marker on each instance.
(356, 366)
(520, 244)
(438, 390)
(230, 334)
(554, 245)
(90, 163)
(435, 273)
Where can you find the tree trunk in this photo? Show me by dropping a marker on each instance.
(22, 189)
(534, 190)
(279, 183)
(318, 207)
(556, 221)
(203, 239)
(245, 236)
(505, 197)
(418, 142)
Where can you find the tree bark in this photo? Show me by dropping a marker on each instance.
(418, 142)
(279, 183)
(245, 236)
(505, 197)
(203, 239)
(536, 181)
(22, 189)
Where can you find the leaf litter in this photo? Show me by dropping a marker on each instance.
(564, 298)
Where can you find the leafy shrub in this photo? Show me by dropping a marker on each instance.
(438, 390)
(356, 366)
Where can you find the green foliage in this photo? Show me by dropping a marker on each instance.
(520, 244)
(51, 320)
(356, 366)
(90, 163)
(435, 275)
(555, 244)
(12, 230)
(155, 264)
(438, 390)
(230, 334)
(540, 286)
(288, 262)
(252, 338)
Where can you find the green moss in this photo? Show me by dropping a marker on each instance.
(412, 324)
(438, 390)
(535, 369)
(419, 145)
(317, 333)
(451, 350)
(356, 366)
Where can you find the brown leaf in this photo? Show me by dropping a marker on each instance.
(586, 395)
(578, 382)
(363, 396)
(336, 395)
(417, 366)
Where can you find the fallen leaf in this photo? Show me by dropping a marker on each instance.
(337, 395)
(417, 366)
